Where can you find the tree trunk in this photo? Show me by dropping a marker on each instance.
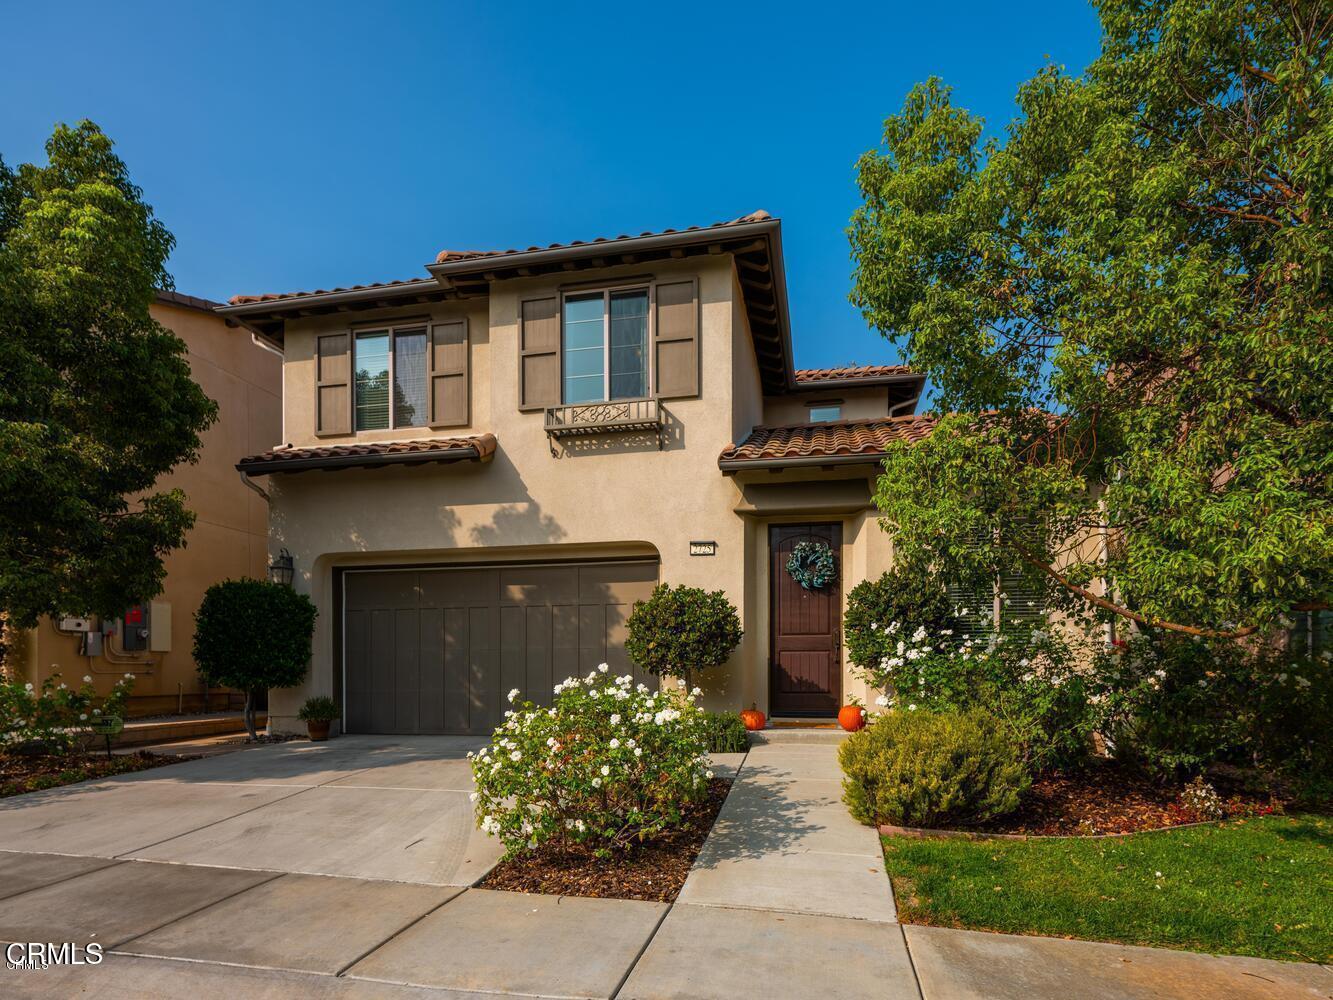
(250, 713)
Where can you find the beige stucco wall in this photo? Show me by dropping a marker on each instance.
(857, 404)
(229, 537)
(604, 496)
(614, 495)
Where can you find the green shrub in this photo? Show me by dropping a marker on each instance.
(252, 635)
(607, 765)
(906, 599)
(319, 709)
(1031, 679)
(1174, 706)
(679, 630)
(932, 769)
(56, 716)
(726, 733)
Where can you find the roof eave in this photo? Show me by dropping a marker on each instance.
(730, 466)
(414, 286)
(331, 462)
(857, 383)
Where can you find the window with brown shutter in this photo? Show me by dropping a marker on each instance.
(539, 354)
(333, 384)
(676, 339)
(448, 374)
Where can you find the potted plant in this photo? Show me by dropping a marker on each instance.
(317, 713)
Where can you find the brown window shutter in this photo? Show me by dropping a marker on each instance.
(539, 354)
(447, 374)
(676, 338)
(333, 384)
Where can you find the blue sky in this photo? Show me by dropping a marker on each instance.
(294, 146)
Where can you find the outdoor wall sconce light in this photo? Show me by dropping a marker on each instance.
(282, 569)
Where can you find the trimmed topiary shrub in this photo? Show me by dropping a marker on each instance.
(932, 769)
(914, 599)
(252, 635)
(679, 630)
(726, 732)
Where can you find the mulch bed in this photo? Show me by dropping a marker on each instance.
(654, 870)
(21, 773)
(1105, 799)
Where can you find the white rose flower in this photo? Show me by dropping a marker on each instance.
(911, 708)
(515, 756)
(87, 679)
(638, 751)
(615, 743)
(606, 771)
(603, 668)
(513, 694)
(615, 718)
(882, 701)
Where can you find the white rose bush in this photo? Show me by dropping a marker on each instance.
(610, 763)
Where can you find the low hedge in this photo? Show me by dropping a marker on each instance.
(932, 769)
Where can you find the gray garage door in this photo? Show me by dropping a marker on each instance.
(437, 650)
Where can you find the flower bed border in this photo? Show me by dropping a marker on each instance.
(926, 833)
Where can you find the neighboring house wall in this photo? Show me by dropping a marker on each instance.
(852, 404)
(229, 537)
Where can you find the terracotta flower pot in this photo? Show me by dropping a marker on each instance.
(852, 718)
(318, 730)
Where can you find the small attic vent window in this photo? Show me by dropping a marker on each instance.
(823, 413)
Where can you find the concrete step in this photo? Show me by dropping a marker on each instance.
(784, 735)
(142, 732)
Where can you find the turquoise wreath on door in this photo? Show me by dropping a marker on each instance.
(811, 564)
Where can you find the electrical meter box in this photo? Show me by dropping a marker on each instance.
(134, 629)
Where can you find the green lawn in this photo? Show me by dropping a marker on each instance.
(1250, 887)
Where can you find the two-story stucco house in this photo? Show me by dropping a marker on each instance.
(485, 468)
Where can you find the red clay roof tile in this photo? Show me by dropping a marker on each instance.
(456, 255)
(838, 439)
(850, 372)
(477, 447)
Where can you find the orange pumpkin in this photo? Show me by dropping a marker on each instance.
(852, 718)
(754, 719)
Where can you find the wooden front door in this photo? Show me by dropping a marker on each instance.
(805, 666)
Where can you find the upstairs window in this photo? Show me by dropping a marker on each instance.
(824, 413)
(604, 345)
(390, 378)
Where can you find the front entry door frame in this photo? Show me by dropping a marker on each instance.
(818, 652)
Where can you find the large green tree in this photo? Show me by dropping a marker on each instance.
(1125, 305)
(96, 399)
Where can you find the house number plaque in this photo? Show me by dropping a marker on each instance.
(703, 548)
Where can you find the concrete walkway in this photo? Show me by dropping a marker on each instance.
(258, 875)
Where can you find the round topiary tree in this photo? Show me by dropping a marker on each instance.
(679, 630)
(252, 634)
(913, 598)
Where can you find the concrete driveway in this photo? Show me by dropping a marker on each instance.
(368, 807)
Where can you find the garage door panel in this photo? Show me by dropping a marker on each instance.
(356, 637)
(378, 590)
(383, 654)
(436, 650)
(538, 585)
(432, 671)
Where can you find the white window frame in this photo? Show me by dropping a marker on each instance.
(393, 330)
(606, 293)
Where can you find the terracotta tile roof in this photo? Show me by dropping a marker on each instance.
(843, 440)
(450, 256)
(240, 300)
(477, 448)
(454, 255)
(804, 375)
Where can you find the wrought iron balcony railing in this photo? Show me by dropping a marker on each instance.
(643, 416)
